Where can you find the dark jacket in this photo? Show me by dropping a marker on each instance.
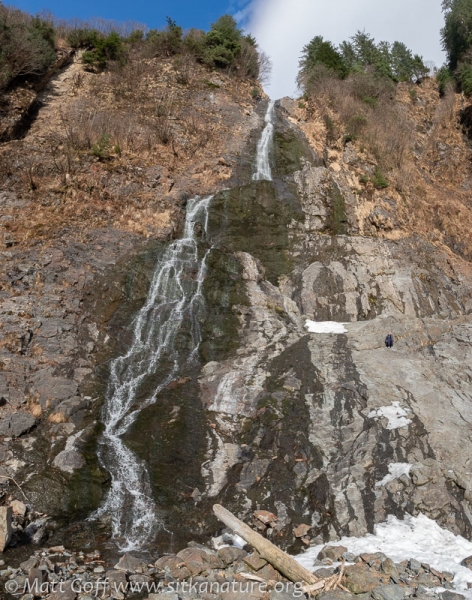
(389, 340)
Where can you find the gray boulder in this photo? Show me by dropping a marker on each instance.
(16, 424)
(414, 565)
(230, 554)
(467, 562)
(335, 595)
(448, 595)
(388, 592)
(334, 553)
(69, 461)
(130, 564)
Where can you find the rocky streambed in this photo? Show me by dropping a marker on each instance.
(201, 572)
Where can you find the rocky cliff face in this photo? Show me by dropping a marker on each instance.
(335, 431)
(331, 431)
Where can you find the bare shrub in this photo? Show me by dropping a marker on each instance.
(444, 115)
(32, 172)
(197, 132)
(6, 166)
(57, 418)
(77, 82)
(184, 66)
(35, 408)
(163, 111)
(361, 108)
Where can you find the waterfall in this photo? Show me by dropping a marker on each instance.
(263, 170)
(174, 305)
(175, 301)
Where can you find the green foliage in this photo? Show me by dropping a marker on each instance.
(26, 45)
(320, 53)
(102, 148)
(330, 128)
(194, 43)
(464, 72)
(211, 84)
(167, 42)
(456, 34)
(379, 180)
(456, 38)
(135, 37)
(225, 46)
(45, 29)
(444, 77)
(83, 38)
(372, 102)
(105, 48)
(222, 43)
(360, 55)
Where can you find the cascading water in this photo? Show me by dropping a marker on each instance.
(174, 302)
(263, 170)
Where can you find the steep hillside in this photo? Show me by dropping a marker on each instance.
(309, 425)
(406, 157)
(95, 175)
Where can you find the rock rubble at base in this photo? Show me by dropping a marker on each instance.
(188, 575)
(20, 524)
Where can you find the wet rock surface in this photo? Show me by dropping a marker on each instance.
(67, 296)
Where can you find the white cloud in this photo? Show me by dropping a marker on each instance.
(283, 27)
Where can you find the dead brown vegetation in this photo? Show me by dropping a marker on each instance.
(414, 137)
(57, 418)
(362, 109)
(87, 159)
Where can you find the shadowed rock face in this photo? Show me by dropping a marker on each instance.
(306, 425)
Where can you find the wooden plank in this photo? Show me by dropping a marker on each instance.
(284, 563)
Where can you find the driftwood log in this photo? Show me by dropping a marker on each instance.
(284, 563)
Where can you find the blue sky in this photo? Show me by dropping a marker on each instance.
(282, 27)
(188, 13)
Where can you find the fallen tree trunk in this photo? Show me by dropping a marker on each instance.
(284, 563)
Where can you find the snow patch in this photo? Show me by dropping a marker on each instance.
(396, 470)
(414, 537)
(397, 415)
(325, 327)
(227, 540)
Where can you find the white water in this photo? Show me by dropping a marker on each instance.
(263, 170)
(174, 301)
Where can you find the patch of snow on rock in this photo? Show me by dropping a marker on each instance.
(397, 415)
(325, 327)
(396, 470)
(418, 537)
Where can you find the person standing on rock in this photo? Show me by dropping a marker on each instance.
(389, 340)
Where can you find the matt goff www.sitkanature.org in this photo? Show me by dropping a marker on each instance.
(102, 587)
